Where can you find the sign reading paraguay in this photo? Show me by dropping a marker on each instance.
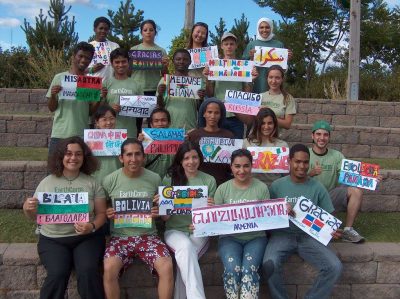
(200, 56)
(105, 142)
(359, 174)
(179, 200)
(162, 141)
(242, 102)
(62, 207)
(81, 88)
(270, 159)
(132, 212)
(146, 59)
(266, 57)
(230, 70)
(182, 87)
(219, 150)
(137, 106)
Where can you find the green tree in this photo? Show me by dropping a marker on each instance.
(14, 68)
(177, 42)
(215, 38)
(239, 29)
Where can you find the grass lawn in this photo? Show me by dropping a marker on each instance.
(16, 228)
(23, 154)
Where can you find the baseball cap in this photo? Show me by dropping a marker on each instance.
(321, 124)
(228, 34)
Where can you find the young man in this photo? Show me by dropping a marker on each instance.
(325, 167)
(284, 242)
(134, 181)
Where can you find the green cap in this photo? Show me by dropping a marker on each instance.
(321, 124)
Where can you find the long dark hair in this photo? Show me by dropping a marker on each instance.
(282, 71)
(255, 135)
(190, 43)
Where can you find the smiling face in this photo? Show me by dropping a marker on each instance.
(73, 159)
(267, 127)
(274, 80)
(190, 163)
(101, 32)
(264, 29)
(148, 33)
(299, 166)
(199, 35)
(81, 60)
(132, 159)
(241, 169)
(181, 62)
(212, 115)
(120, 65)
(320, 139)
(107, 121)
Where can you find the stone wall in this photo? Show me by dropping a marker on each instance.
(23, 100)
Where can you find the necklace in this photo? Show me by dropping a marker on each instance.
(71, 180)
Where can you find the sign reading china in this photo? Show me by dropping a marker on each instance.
(101, 53)
(182, 87)
(201, 56)
(315, 221)
(133, 212)
(81, 88)
(230, 70)
(179, 200)
(240, 218)
(359, 174)
(242, 102)
(146, 59)
(162, 141)
(266, 57)
(105, 142)
(219, 150)
(137, 106)
(62, 207)
(270, 159)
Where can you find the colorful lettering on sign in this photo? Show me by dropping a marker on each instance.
(359, 174)
(105, 142)
(266, 57)
(270, 159)
(146, 59)
(230, 70)
(179, 200)
(162, 141)
(219, 150)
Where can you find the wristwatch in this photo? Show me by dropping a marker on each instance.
(94, 227)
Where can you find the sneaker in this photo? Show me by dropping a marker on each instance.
(352, 236)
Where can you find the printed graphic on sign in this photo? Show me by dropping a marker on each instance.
(146, 59)
(266, 57)
(182, 87)
(101, 54)
(179, 200)
(219, 150)
(270, 159)
(81, 88)
(200, 56)
(242, 102)
(137, 106)
(230, 70)
(162, 141)
(105, 142)
(133, 212)
(359, 174)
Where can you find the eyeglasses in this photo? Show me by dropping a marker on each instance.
(201, 24)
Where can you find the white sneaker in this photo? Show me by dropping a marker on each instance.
(352, 236)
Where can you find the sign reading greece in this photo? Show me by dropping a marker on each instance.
(105, 142)
(162, 141)
(201, 56)
(182, 87)
(315, 221)
(359, 174)
(137, 106)
(146, 59)
(270, 159)
(242, 102)
(179, 200)
(240, 218)
(219, 150)
(62, 207)
(230, 70)
(81, 88)
(133, 212)
(101, 53)
(266, 57)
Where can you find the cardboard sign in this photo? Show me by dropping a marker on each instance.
(105, 142)
(359, 174)
(179, 200)
(182, 87)
(240, 218)
(133, 212)
(201, 56)
(137, 106)
(56, 208)
(101, 54)
(315, 221)
(162, 141)
(270, 159)
(242, 102)
(266, 57)
(146, 59)
(219, 150)
(230, 70)
(81, 88)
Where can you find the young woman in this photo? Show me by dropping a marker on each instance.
(198, 39)
(184, 171)
(241, 254)
(78, 245)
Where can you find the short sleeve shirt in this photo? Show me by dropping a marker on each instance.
(276, 103)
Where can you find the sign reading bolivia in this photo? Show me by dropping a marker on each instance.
(201, 56)
(132, 212)
(240, 218)
(359, 174)
(266, 57)
(179, 200)
(242, 102)
(146, 59)
(314, 221)
(162, 141)
(230, 70)
(182, 87)
(105, 142)
(219, 150)
(62, 207)
(270, 159)
(81, 88)
(137, 106)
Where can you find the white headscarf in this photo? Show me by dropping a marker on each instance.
(271, 24)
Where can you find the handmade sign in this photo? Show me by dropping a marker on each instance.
(219, 150)
(270, 159)
(182, 87)
(315, 221)
(132, 212)
(162, 141)
(242, 102)
(359, 174)
(146, 59)
(81, 88)
(137, 106)
(62, 207)
(101, 54)
(230, 70)
(266, 57)
(200, 56)
(105, 142)
(179, 200)
(240, 218)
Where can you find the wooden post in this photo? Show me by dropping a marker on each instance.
(189, 14)
(353, 78)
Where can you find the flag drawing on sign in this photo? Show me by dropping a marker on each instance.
(105, 142)
(219, 150)
(81, 88)
(313, 223)
(163, 140)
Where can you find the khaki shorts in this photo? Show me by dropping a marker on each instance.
(339, 198)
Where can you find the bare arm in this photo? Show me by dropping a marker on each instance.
(52, 102)
(286, 122)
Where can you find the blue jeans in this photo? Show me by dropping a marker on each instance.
(281, 246)
(234, 125)
(241, 260)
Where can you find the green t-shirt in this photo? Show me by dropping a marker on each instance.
(228, 193)
(71, 116)
(118, 185)
(311, 189)
(160, 165)
(275, 103)
(330, 163)
(83, 183)
(107, 166)
(147, 78)
(117, 88)
(222, 86)
(182, 222)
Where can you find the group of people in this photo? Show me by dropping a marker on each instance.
(73, 169)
